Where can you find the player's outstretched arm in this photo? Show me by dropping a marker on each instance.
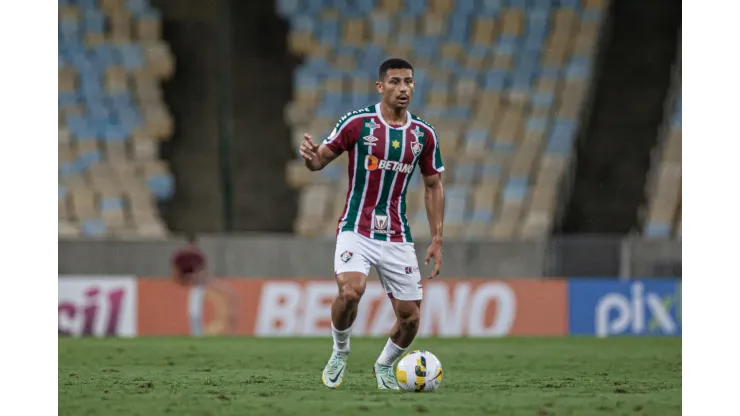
(316, 156)
(434, 199)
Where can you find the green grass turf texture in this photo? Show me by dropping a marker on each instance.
(257, 376)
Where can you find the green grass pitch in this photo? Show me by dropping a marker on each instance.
(252, 376)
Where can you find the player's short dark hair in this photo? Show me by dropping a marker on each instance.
(393, 63)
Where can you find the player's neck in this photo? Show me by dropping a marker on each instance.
(392, 116)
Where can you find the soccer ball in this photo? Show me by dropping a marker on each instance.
(419, 371)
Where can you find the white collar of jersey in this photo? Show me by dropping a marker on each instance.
(380, 116)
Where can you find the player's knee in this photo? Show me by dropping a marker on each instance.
(351, 294)
(409, 321)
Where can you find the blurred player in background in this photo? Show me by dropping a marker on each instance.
(385, 143)
(189, 268)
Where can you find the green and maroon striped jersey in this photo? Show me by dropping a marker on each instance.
(382, 159)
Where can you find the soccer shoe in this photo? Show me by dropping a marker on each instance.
(334, 370)
(385, 377)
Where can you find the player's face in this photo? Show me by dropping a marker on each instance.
(397, 88)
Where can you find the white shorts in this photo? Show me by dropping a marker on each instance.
(396, 263)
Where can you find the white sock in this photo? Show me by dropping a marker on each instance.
(390, 353)
(341, 339)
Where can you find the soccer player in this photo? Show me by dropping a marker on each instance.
(189, 270)
(385, 143)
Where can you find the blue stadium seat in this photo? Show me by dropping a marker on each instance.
(111, 204)
(94, 228)
(84, 161)
(414, 8)
(333, 172)
(458, 28)
(543, 99)
(490, 171)
(495, 80)
(537, 124)
(570, 4)
(657, 230)
(507, 45)
(94, 21)
(503, 147)
(465, 173)
(578, 68)
(329, 31)
(482, 216)
(288, 8)
(161, 186)
(490, 8)
(592, 15)
(516, 189)
(131, 56)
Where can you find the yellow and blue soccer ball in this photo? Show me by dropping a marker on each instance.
(419, 371)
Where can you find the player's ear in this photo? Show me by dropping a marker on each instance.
(379, 86)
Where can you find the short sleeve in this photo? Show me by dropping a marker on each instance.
(431, 158)
(342, 138)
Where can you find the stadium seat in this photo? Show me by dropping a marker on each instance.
(111, 116)
(503, 81)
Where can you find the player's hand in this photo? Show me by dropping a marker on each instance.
(435, 251)
(308, 148)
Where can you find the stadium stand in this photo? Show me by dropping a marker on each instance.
(663, 187)
(111, 117)
(502, 81)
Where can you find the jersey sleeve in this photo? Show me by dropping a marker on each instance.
(431, 158)
(342, 138)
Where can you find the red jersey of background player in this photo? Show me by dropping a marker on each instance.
(189, 263)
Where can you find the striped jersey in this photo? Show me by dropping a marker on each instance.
(382, 159)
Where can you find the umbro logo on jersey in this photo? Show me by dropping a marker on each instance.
(373, 163)
(370, 140)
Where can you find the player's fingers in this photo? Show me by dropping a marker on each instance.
(309, 142)
(429, 255)
(306, 154)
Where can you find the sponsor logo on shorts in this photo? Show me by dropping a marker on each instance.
(346, 256)
(411, 270)
(373, 163)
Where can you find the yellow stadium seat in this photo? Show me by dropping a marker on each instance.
(63, 209)
(484, 30)
(595, 4)
(354, 32)
(433, 24)
(83, 204)
(68, 230)
(513, 22)
(441, 7)
(390, 6)
(149, 29)
(67, 81)
(450, 50)
(300, 43)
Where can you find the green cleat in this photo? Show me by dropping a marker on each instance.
(334, 370)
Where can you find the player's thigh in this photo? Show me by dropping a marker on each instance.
(398, 270)
(351, 264)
